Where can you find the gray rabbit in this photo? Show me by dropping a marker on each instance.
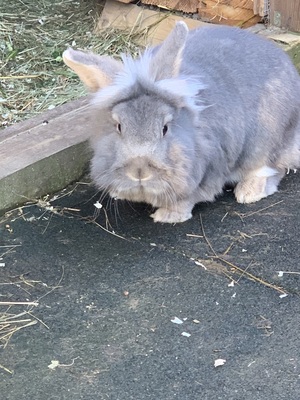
(209, 107)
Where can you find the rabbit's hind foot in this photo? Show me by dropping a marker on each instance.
(258, 184)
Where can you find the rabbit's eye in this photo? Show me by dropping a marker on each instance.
(119, 128)
(165, 129)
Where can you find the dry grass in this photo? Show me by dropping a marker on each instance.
(233, 267)
(11, 323)
(16, 315)
(33, 35)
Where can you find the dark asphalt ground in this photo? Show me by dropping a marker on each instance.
(107, 302)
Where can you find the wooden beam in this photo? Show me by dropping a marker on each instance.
(188, 6)
(260, 7)
(285, 14)
(222, 12)
(156, 24)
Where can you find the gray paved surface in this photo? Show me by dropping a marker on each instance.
(110, 318)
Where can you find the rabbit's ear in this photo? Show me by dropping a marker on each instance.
(95, 71)
(166, 62)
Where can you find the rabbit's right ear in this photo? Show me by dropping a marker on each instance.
(94, 71)
(166, 62)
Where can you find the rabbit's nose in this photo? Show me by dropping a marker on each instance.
(139, 174)
(139, 170)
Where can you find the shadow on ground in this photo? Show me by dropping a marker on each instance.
(103, 326)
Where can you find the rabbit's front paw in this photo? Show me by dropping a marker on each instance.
(169, 216)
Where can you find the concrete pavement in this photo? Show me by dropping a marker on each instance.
(106, 304)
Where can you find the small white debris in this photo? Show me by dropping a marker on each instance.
(54, 364)
(55, 197)
(244, 251)
(252, 362)
(177, 321)
(196, 321)
(98, 205)
(231, 284)
(30, 219)
(282, 296)
(51, 107)
(233, 296)
(2, 264)
(219, 362)
(200, 264)
(185, 334)
(153, 244)
(280, 274)
(73, 43)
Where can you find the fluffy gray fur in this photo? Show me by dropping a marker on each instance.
(208, 107)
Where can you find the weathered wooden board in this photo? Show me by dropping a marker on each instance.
(222, 12)
(230, 12)
(260, 7)
(156, 24)
(248, 4)
(39, 158)
(188, 6)
(285, 14)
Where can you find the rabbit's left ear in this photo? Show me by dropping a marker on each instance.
(166, 61)
(94, 71)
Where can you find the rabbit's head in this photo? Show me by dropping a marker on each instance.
(145, 114)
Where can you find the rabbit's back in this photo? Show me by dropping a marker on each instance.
(239, 62)
(253, 96)
(235, 52)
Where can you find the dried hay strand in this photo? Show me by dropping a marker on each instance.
(11, 323)
(33, 35)
(18, 315)
(236, 268)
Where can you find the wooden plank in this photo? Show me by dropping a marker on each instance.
(39, 158)
(260, 7)
(34, 139)
(220, 12)
(191, 6)
(285, 14)
(248, 4)
(188, 6)
(156, 24)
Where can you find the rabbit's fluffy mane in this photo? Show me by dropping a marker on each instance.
(139, 76)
